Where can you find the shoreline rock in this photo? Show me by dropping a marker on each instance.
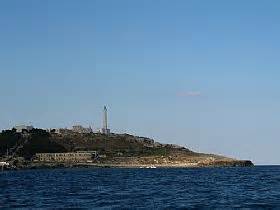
(53, 165)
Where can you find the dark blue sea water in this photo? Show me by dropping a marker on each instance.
(141, 188)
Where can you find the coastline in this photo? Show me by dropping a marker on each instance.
(53, 165)
(42, 149)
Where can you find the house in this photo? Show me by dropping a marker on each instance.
(21, 128)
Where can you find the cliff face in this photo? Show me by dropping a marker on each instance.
(121, 150)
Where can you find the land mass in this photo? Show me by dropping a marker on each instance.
(114, 150)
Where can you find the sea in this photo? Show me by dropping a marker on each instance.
(159, 188)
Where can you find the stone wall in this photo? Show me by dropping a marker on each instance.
(65, 157)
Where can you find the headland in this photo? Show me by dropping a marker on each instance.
(38, 148)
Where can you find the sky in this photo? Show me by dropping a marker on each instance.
(201, 74)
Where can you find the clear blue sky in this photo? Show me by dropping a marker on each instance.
(203, 74)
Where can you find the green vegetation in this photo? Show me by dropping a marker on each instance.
(8, 139)
(39, 141)
(28, 143)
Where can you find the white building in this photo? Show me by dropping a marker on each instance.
(20, 128)
(81, 129)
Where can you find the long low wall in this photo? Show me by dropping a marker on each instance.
(65, 157)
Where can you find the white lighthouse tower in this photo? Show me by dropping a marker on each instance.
(104, 129)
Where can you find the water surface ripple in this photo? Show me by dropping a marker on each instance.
(254, 187)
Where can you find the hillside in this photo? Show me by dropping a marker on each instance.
(115, 149)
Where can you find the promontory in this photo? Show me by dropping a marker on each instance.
(38, 148)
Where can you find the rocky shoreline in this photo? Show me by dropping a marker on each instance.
(53, 165)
